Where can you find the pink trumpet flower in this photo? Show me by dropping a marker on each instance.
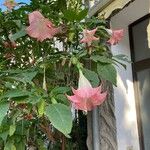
(40, 27)
(86, 97)
(10, 4)
(89, 36)
(116, 36)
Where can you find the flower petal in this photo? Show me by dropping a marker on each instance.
(99, 98)
(40, 28)
(83, 81)
(74, 98)
(89, 36)
(116, 36)
(86, 97)
(85, 105)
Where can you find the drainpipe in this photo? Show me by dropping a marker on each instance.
(95, 130)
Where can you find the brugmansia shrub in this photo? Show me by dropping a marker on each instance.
(47, 49)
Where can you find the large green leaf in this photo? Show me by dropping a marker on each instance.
(60, 117)
(15, 93)
(3, 110)
(101, 59)
(91, 76)
(107, 72)
(62, 99)
(25, 77)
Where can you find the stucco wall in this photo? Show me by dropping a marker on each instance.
(127, 132)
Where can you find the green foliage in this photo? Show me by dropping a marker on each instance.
(9, 146)
(60, 117)
(41, 107)
(12, 129)
(15, 93)
(92, 77)
(36, 76)
(101, 59)
(72, 15)
(18, 35)
(122, 58)
(3, 110)
(107, 72)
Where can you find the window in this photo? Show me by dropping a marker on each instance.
(141, 74)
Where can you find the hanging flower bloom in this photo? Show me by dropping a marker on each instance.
(40, 28)
(89, 36)
(10, 4)
(116, 36)
(86, 97)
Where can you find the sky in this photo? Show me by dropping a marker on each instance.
(4, 8)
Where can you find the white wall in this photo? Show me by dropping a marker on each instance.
(124, 94)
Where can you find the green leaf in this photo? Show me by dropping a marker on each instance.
(34, 98)
(41, 144)
(60, 90)
(101, 59)
(118, 62)
(3, 110)
(25, 77)
(12, 129)
(10, 145)
(28, 76)
(82, 14)
(41, 107)
(60, 117)
(62, 99)
(18, 35)
(107, 72)
(70, 15)
(18, 23)
(20, 145)
(62, 4)
(91, 76)
(15, 93)
(4, 135)
(12, 71)
(122, 58)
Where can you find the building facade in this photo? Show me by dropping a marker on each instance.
(132, 96)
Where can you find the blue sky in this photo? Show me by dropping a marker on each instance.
(3, 7)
